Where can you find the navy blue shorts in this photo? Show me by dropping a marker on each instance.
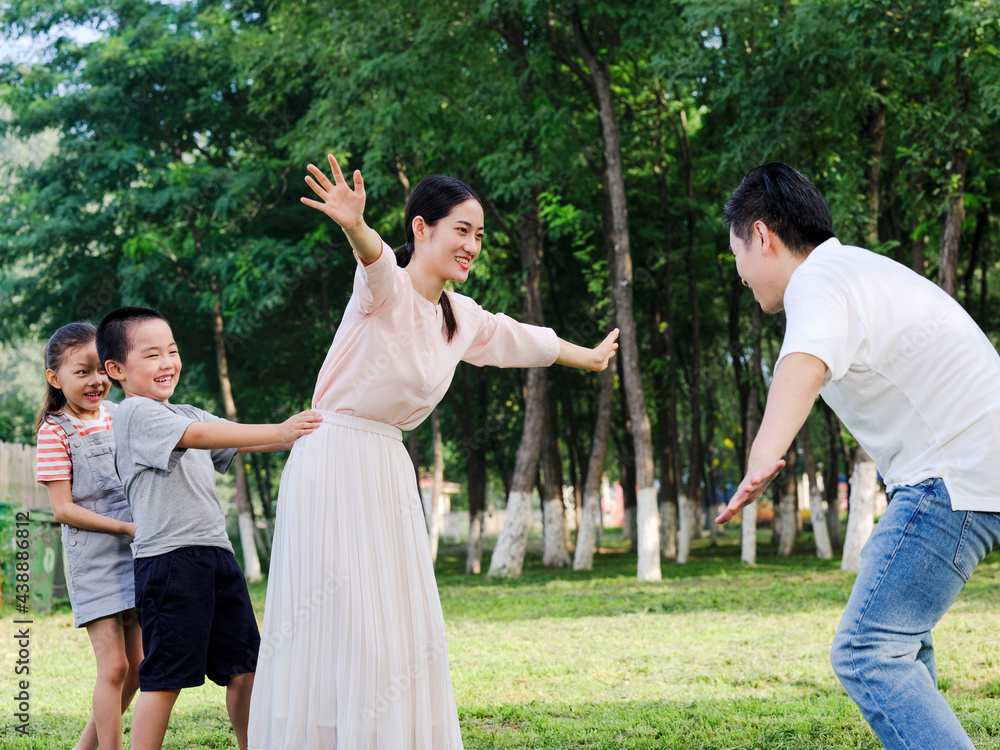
(196, 619)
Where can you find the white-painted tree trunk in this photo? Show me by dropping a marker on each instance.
(789, 507)
(861, 518)
(508, 556)
(434, 532)
(474, 547)
(251, 561)
(821, 533)
(789, 521)
(586, 536)
(570, 522)
(554, 553)
(748, 534)
(648, 521)
(685, 517)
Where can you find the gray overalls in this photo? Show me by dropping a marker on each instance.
(102, 581)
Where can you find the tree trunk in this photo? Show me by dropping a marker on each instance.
(875, 133)
(664, 345)
(258, 462)
(789, 507)
(666, 429)
(861, 519)
(950, 239)
(832, 480)
(586, 537)
(475, 468)
(251, 562)
(918, 242)
(711, 475)
(978, 236)
(984, 265)
(626, 472)
(695, 443)
(508, 556)
(648, 521)
(576, 464)
(432, 512)
(685, 519)
(748, 517)
(816, 513)
(554, 551)
(952, 235)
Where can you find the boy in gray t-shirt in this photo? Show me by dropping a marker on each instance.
(171, 489)
(191, 596)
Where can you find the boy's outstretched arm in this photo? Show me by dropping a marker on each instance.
(212, 435)
(793, 391)
(595, 359)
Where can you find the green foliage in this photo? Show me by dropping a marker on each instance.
(182, 132)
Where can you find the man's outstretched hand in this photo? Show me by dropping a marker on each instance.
(752, 487)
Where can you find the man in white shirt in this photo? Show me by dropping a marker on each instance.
(918, 385)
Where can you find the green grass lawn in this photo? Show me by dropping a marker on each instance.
(715, 656)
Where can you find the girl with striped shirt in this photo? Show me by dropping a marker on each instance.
(76, 464)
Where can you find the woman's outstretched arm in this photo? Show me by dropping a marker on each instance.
(346, 207)
(595, 359)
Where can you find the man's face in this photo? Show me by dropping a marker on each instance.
(758, 268)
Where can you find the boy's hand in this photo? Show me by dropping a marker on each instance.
(752, 487)
(301, 424)
(129, 529)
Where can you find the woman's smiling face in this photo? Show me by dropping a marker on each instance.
(453, 244)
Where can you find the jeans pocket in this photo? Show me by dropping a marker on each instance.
(973, 544)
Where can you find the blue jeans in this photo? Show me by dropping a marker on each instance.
(912, 568)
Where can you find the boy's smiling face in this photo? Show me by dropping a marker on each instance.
(152, 366)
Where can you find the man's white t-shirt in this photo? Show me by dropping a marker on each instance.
(910, 374)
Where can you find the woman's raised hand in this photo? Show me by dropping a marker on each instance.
(337, 200)
(605, 351)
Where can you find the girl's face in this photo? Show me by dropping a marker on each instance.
(82, 380)
(450, 246)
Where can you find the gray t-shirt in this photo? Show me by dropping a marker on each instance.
(171, 490)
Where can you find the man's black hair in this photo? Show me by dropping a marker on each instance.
(113, 332)
(786, 201)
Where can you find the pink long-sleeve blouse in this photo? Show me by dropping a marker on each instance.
(390, 360)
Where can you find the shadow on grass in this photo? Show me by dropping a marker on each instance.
(821, 723)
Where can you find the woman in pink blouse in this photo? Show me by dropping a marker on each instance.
(353, 651)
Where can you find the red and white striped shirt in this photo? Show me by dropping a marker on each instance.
(54, 463)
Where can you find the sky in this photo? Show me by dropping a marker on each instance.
(26, 49)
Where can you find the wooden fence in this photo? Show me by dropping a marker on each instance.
(17, 477)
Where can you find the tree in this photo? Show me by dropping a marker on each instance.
(861, 518)
(596, 77)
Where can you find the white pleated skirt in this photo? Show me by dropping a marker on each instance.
(353, 651)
